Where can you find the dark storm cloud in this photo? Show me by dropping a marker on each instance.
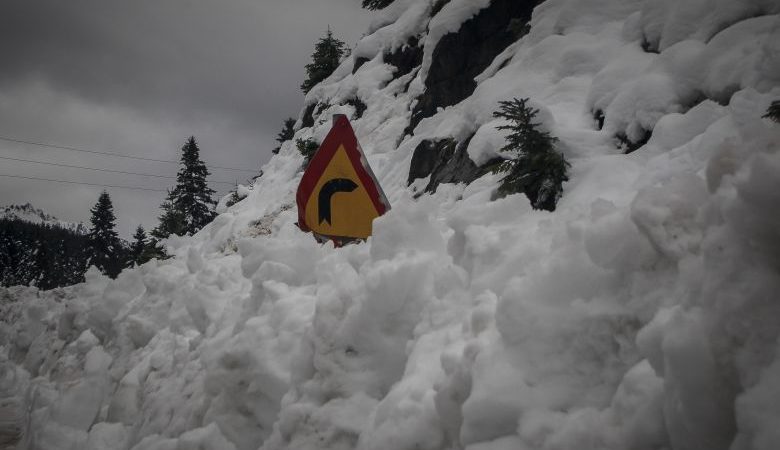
(240, 60)
(138, 77)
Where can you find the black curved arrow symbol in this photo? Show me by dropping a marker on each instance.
(328, 190)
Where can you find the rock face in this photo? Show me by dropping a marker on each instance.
(313, 110)
(629, 146)
(307, 119)
(446, 161)
(459, 57)
(405, 58)
(359, 106)
(358, 64)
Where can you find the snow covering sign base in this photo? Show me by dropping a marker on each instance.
(339, 197)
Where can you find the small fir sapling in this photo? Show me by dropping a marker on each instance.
(171, 220)
(327, 56)
(534, 167)
(235, 197)
(144, 249)
(307, 147)
(137, 246)
(287, 133)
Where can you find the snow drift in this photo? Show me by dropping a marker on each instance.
(642, 314)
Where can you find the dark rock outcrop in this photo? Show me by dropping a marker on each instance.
(446, 161)
(359, 61)
(648, 46)
(599, 117)
(629, 146)
(308, 116)
(311, 111)
(425, 158)
(359, 106)
(438, 6)
(405, 58)
(459, 57)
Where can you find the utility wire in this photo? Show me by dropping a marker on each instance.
(87, 184)
(100, 170)
(118, 155)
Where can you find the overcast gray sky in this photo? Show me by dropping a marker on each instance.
(137, 78)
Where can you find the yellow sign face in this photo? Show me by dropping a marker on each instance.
(339, 204)
(339, 197)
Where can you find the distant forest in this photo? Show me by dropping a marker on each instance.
(47, 255)
(43, 255)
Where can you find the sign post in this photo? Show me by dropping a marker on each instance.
(339, 197)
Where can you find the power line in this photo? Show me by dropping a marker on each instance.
(100, 170)
(84, 183)
(118, 155)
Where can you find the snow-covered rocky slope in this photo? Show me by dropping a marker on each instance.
(643, 313)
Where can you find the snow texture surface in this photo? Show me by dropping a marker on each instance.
(642, 314)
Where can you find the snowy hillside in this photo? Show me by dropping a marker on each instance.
(29, 213)
(642, 313)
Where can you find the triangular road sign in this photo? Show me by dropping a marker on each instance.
(339, 197)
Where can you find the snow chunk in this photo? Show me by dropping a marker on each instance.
(402, 20)
(667, 22)
(107, 436)
(486, 143)
(744, 55)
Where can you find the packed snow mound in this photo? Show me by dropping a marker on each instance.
(28, 213)
(641, 314)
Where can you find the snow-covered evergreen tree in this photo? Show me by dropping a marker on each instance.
(325, 59)
(535, 166)
(138, 244)
(106, 249)
(190, 205)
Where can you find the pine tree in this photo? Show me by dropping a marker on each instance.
(287, 133)
(325, 59)
(139, 242)
(171, 220)
(189, 206)
(234, 197)
(138, 249)
(376, 4)
(107, 251)
(536, 167)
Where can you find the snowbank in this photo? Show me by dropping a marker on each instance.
(641, 314)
